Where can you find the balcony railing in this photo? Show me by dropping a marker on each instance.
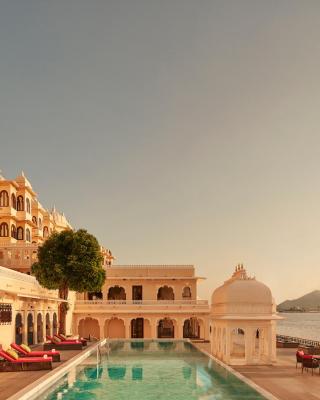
(101, 306)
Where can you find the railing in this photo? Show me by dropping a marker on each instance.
(307, 342)
(143, 302)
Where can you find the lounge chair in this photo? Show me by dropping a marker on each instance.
(299, 357)
(309, 362)
(24, 351)
(54, 343)
(64, 338)
(11, 364)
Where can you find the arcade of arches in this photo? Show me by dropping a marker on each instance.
(149, 327)
(32, 327)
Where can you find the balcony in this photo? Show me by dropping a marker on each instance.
(123, 306)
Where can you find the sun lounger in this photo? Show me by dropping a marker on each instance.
(23, 352)
(55, 344)
(63, 338)
(10, 364)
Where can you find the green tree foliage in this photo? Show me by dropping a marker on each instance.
(70, 260)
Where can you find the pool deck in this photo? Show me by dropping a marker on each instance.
(13, 382)
(282, 380)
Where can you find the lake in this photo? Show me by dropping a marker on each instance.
(303, 325)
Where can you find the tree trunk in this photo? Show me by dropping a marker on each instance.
(63, 294)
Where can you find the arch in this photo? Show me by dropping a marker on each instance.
(114, 328)
(95, 295)
(186, 293)
(237, 343)
(4, 198)
(39, 328)
(89, 327)
(45, 232)
(20, 203)
(13, 231)
(13, 201)
(28, 207)
(54, 323)
(34, 220)
(116, 293)
(165, 328)
(4, 229)
(28, 235)
(191, 328)
(20, 233)
(48, 325)
(18, 329)
(30, 331)
(165, 293)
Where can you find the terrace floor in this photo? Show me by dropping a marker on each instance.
(283, 380)
(13, 382)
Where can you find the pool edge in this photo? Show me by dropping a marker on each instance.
(249, 382)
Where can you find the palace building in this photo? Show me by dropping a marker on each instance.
(24, 223)
(136, 301)
(144, 301)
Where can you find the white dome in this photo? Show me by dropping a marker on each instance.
(241, 295)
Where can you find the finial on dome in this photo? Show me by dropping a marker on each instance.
(1, 176)
(22, 173)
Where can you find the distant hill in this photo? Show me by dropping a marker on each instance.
(308, 302)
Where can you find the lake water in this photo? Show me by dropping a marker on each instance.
(303, 325)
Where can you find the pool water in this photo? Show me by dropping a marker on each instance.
(151, 370)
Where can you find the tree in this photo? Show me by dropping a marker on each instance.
(69, 260)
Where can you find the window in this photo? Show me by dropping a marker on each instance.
(34, 220)
(45, 232)
(13, 201)
(20, 203)
(28, 205)
(4, 198)
(13, 231)
(4, 229)
(28, 235)
(20, 233)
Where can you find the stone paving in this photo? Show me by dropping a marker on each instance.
(283, 380)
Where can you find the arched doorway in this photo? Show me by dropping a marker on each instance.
(166, 329)
(237, 343)
(191, 328)
(137, 326)
(30, 332)
(95, 295)
(116, 293)
(19, 329)
(54, 324)
(89, 327)
(48, 325)
(114, 328)
(39, 328)
(165, 293)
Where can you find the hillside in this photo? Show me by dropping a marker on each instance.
(308, 302)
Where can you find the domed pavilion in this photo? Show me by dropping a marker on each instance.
(243, 321)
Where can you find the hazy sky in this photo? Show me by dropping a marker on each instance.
(176, 131)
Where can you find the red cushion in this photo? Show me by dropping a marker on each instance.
(33, 359)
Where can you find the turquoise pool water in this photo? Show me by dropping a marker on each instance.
(151, 370)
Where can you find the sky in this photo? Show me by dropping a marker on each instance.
(175, 131)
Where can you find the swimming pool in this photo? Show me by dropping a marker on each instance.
(150, 370)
